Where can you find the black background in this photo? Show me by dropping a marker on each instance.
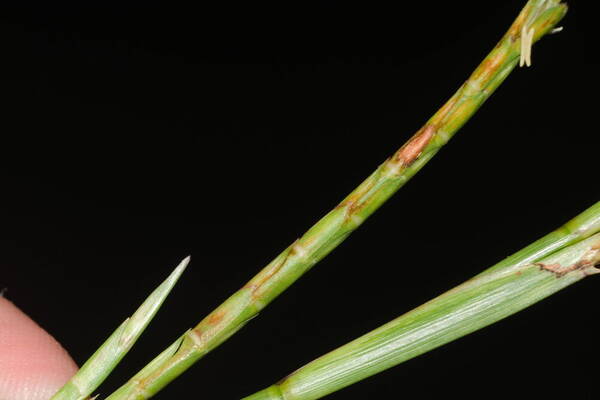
(134, 135)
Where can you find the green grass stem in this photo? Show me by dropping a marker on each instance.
(538, 16)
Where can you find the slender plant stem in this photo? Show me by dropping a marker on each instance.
(333, 228)
(500, 291)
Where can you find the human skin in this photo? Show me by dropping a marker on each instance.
(33, 365)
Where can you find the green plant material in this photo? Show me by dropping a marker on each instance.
(537, 17)
(105, 359)
(502, 290)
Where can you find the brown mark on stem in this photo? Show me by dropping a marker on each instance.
(355, 200)
(514, 33)
(196, 335)
(404, 157)
(488, 67)
(515, 29)
(590, 260)
(409, 153)
(353, 208)
(216, 317)
(556, 269)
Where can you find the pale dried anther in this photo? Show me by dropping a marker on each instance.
(526, 43)
(556, 30)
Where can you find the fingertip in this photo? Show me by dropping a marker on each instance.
(33, 365)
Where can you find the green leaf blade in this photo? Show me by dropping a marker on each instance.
(497, 293)
(105, 359)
